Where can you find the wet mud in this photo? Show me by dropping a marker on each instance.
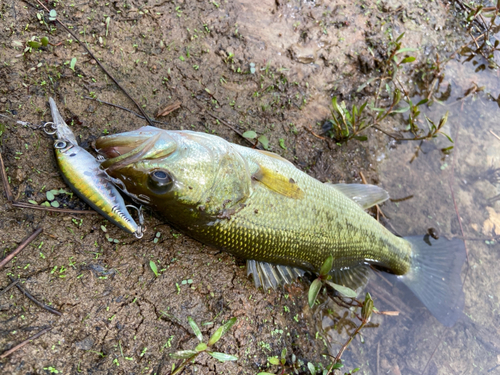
(267, 66)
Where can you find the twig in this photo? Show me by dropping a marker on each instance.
(5, 181)
(10, 286)
(42, 305)
(123, 108)
(19, 346)
(309, 129)
(99, 63)
(23, 244)
(496, 136)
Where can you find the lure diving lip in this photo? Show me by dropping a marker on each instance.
(81, 171)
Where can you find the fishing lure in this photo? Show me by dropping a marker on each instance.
(81, 171)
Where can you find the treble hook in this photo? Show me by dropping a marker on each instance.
(140, 232)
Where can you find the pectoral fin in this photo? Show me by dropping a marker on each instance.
(278, 183)
(365, 195)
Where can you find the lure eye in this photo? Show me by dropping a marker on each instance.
(59, 144)
(160, 181)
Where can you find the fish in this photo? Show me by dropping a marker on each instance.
(82, 173)
(258, 206)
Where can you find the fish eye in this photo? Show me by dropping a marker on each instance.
(59, 144)
(160, 181)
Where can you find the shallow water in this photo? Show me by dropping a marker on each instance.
(444, 188)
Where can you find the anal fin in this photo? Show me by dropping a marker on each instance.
(354, 278)
(270, 275)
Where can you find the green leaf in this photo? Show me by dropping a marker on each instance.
(367, 309)
(423, 101)
(54, 204)
(34, 44)
(402, 50)
(72, 64)
(265, 142)
(337, 366)
(327, 266)
(283, 353)
(152, 264)
(274, 361)
(250, 134)
(366, 83)
(265, 373)
(45, 41)
(201, 347)
(223, 357)
(311, 368)
(400, 37)
(348, 292)
(314, 291)
(52, 15)
(35, 202)
(401, 110)
(221, 331)
(408, 59)
(362, 138)
(282, 144)
(195, 328)
(183, 354)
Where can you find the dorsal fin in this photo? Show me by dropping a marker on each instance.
(275, 156)
(365, 195)
(278, 183)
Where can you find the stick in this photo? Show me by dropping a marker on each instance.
(123, 108)
(11, 285)
(496, 136)
(23, 244)
(5, 181)
(19, 346)
(99, 63)
(42, 305)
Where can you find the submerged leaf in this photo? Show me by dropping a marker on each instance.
(348, 292)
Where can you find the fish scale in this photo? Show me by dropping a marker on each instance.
(258, 206)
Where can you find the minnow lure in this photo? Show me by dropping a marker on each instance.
(81, 171)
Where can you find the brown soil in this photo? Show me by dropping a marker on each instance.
(117, 317)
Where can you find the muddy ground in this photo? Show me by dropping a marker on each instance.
(267, 66)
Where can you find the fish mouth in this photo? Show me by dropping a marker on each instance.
(124, 149)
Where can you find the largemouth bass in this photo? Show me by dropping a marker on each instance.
(258, 206)
(81, 171)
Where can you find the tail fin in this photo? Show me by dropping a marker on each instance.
(435, 276)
